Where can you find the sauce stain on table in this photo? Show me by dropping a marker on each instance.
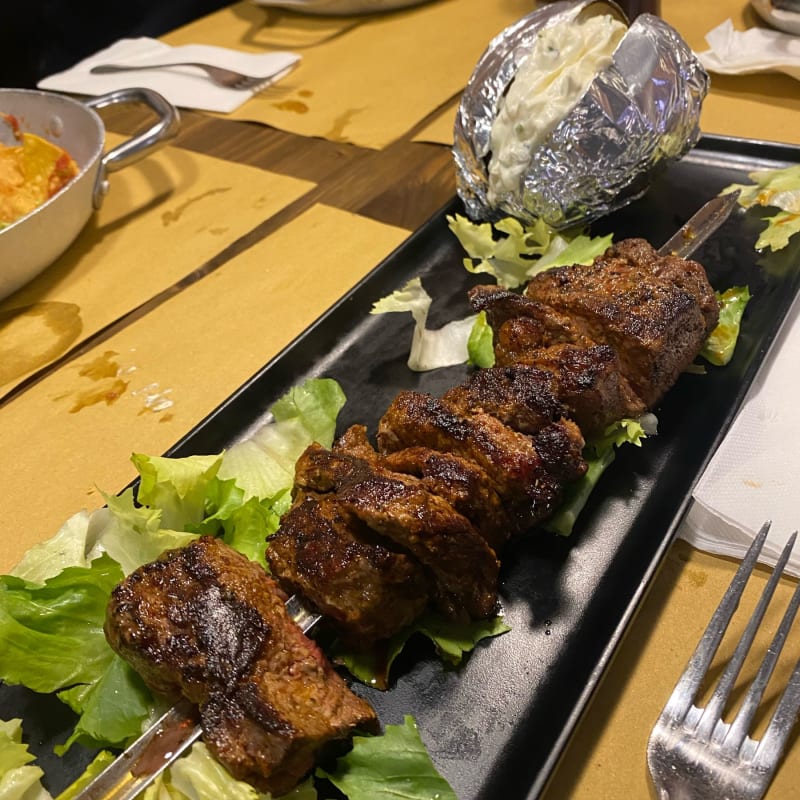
(168, 217)
(34, 335)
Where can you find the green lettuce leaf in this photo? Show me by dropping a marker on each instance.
(199, 776)
(599, 455)
(52, 633)
(430, 349)
(19, 779)
(263, 464)
(176, 487)
(720, 345)
(452, 641)
(98, 764)
(111, 710)
(513, 253)
(61, 622)
(395, 765)
(480, 345)
(775, 188)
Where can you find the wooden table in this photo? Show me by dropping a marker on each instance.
(399, 185)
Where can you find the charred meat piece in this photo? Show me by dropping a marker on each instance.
(205, 622)
(543, 325)
(464, 568)
(464, 485)
(509, 458)
(460, 482)
(331, 558)
(683, 273)
(654, 323)
(588, 382)
(520, 396)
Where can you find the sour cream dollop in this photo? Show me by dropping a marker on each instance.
(559, 69)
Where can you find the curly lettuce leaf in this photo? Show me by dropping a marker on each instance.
(721, 343)
(52, 633)
(176, 486)
(61, 622)
(513, 253)
(599, 455)
(774, 188)
(395, 765)
(19, 779)
(452, 641)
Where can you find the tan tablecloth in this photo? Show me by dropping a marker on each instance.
(365, 80)
(163, 217)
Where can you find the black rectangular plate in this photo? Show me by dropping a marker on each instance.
(496, 726)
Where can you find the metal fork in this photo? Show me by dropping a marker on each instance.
(693, 752)
(231, 79)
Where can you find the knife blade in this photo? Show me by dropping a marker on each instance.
(702, 224)
(165, 740)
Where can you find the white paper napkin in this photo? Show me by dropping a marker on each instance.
(755, 50)
(186, 87)
(755, 474)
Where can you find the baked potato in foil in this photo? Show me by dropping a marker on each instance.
(571, 112)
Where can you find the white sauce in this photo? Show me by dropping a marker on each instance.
(548, 84)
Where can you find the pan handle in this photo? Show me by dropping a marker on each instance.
(130, 151)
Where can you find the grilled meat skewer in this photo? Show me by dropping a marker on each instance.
(477, 480)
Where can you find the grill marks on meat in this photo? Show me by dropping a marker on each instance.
(649, 315)
(452, 479)
(454, 476)
(330, 557)
(509, 458)
(206, 623)
(462, 566)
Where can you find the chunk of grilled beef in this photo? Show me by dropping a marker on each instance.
(509, 458)
(356, 579)
(521, 396)
(465, 486)
(463, 567)
(688, 275)
(657, 323)
(461, 482)
(206, 623)
(544, 326)
(587, 380)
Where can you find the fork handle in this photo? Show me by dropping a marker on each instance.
(106, 69)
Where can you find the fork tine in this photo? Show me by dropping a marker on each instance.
(741, 724)
(689, 683)
(716, 705)
(783, 720)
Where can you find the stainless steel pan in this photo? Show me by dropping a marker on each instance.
(33, 242)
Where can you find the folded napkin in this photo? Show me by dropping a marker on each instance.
(755, 50)
(187, 87)
(754, 474)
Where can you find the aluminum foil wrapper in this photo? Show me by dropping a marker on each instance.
(638, 114)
